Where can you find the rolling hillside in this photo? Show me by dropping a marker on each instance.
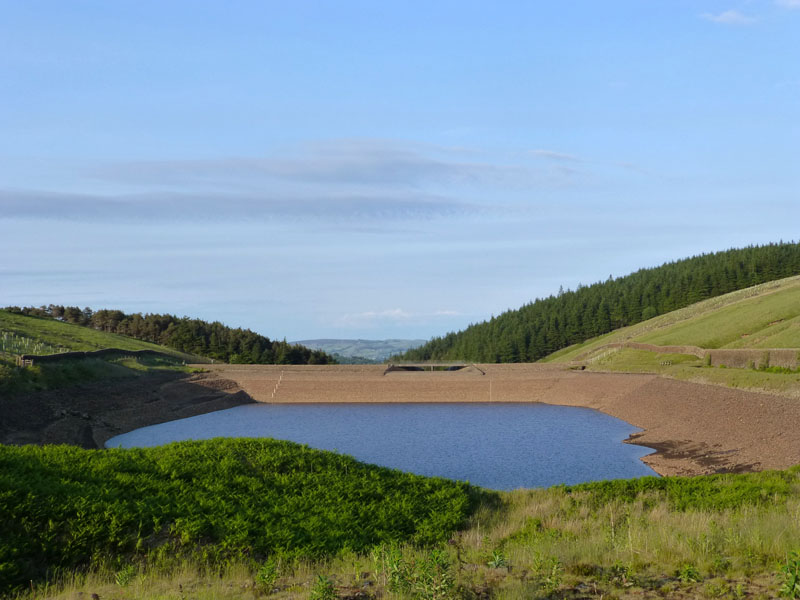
(547, 325)
(760, 317)
(22, 334)
(193, 336)
(748, 339)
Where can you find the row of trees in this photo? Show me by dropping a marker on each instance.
(194, 336)
(549, 324)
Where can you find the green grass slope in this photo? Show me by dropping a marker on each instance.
(21, 334)
(763, 316)
(210, 501)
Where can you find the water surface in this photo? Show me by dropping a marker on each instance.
(500, 445)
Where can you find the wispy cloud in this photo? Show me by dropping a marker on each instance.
(556, 156)
(343, 162)
(730, 17)
(226, 207)
(792, 4)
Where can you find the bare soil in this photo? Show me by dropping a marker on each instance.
(693, 428)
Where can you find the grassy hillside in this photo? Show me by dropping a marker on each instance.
(20, 334)
(547, 325)
(213, 340)
(763, 316)
(256, 518)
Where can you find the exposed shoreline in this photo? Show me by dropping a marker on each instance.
(694, 428)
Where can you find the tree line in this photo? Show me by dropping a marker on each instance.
(194, 336)
(548, 324)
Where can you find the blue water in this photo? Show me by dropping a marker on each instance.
(498, 446)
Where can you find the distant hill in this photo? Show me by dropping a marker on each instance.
(549, 324)
(374, 350)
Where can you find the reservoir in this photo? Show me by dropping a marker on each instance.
(500, 446)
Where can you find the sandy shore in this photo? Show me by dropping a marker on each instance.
(694, 428)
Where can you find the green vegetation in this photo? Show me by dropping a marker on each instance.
(214, 501)
(52, 336)
(20, 334)
(47, 376)
(279, 520)
(690, 368)
(764, 316)
(213, 340)
(572, 317)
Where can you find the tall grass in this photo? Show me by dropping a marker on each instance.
(725, 536)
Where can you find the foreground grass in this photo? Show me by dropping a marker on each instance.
(212, 502)
(258, 518)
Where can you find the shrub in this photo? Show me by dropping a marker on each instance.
(213, 499)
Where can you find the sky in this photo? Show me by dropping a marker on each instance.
(384, 169)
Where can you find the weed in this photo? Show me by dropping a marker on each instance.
(124, 576)
(716, 589)
(619, 574)
(323, 589)
(790, 574)
(554, 576)
(688, 573)
(497, 561)
(267, 575)
(432, 578)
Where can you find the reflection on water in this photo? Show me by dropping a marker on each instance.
(499, 446)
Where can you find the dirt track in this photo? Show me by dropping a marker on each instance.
(696, 429)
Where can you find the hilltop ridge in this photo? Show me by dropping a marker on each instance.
(547, 325)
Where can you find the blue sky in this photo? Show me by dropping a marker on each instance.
(384, 169)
